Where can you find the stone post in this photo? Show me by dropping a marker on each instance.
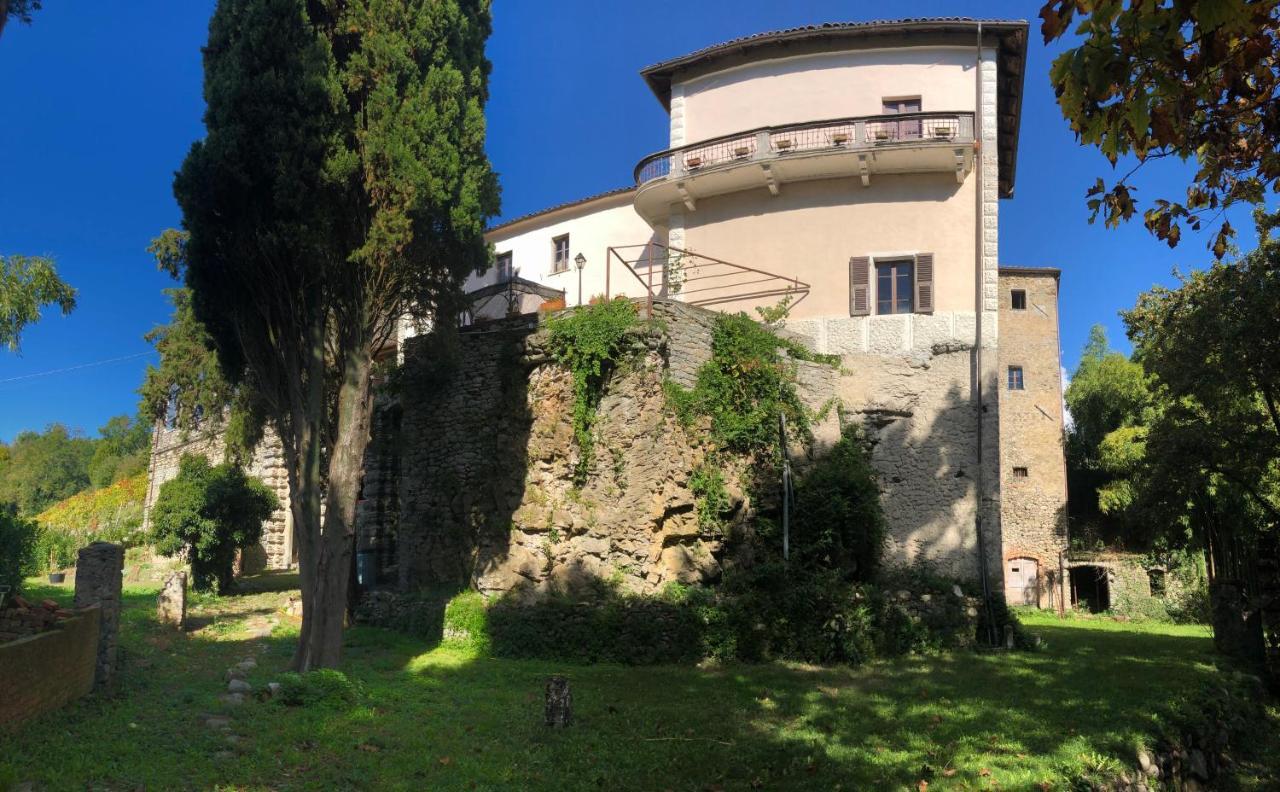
(559, 708)
(171, 605)
(99, 577)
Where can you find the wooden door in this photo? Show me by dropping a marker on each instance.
(908, 129)
(1021, 581)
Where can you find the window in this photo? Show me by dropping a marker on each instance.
(560, 259)
(1015, 378)
(895, 287)
(1019, 472)
(1019, 299)
(503, 265)
(1156, 578)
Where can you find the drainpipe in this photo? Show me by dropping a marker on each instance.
(980, 234)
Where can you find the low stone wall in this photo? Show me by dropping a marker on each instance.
(42, 672)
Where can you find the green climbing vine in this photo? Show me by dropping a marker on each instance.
(742, 388)
(588, 341)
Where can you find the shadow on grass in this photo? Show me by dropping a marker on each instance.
(447, 719)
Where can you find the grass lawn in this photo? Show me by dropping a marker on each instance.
(441, 718)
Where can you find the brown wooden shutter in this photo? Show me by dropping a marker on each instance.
(924, 283)
(859, 286)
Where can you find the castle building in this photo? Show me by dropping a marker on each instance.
(851, 173)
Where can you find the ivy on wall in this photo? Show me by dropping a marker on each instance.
(588, 341)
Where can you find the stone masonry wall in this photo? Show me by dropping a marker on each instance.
(907, 380)
(1034, 506)
(169, 444)
(488, 454)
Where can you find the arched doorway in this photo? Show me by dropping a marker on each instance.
(1022, 581)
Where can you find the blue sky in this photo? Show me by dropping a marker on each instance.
(102, 100)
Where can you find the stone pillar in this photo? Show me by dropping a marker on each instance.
(171, 605)
(99, 577)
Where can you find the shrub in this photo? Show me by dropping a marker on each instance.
(838, 521)
(208, 511)
(17, 547)
(466, 621)
(743, 388)
(322, 686)
(611, 629)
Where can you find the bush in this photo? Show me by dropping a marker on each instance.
(613, 629)
(466, 621)
(743, 388)
(17, 547)
(838, 522)
(322, 686)
(208, 512)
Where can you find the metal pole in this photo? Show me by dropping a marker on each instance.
(786, 488)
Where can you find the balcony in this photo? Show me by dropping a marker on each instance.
(769, 157)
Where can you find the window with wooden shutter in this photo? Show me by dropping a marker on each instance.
(859, 286)
(924, 283)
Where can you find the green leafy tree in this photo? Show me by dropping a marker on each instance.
(120, 452)
(45, 467)
(208, 512)
(1108, 392)
(187, 389)
(19, 10)
(1198, 80)
(27, 285)
(17, 547)
(342, 184)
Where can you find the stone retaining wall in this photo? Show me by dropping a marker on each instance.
(43, 672)
(486, 492)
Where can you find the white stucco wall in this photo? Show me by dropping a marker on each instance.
(811, 229)
(592, 227)
(821, 86)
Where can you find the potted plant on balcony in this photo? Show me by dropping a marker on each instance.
(784, 144)
(881, 135)
(741, 151)
(944, 132)
(693, 162)
(839, 138)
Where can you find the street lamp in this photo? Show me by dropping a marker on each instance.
(581, 261)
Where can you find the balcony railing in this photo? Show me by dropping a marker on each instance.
(769, 143)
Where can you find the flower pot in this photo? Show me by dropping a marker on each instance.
(57, 577)
(693, 162)
(782, 145)
(839, 139)
(741, 151)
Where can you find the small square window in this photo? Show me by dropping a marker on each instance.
(503, 265)
(560, 260)
(1019, 472)
(1019, 299)
(1015, 378)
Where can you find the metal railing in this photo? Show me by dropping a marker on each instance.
(694, 278)
(766, 143)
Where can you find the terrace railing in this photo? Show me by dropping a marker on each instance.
(667, 272)
(768, 143)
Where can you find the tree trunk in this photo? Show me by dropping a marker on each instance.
(321, 646)
(306, 484)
